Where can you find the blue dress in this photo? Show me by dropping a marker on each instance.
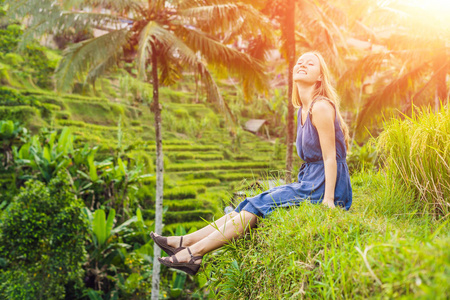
(311, 177)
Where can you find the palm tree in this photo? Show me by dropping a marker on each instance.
(165, 36)
(410, 64)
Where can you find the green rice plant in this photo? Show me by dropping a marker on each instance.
(171, 217)
(187, 204)
(188, 216)
(76, 97)
(237, 176)
(182, 155)
(64, 115)
(416, 153)
(176, 142)
(20, 113)
(209, 157)
(218, 166)
(181, 192)
(185, 148)
(204, 181)
(86, 125)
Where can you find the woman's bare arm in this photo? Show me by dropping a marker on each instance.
(323, 115)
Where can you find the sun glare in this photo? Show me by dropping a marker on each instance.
(437, 8)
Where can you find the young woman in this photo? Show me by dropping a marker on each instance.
(322, 138)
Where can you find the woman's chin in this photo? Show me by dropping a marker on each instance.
(302, 80)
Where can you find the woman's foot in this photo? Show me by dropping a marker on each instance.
(184, 261)
(166, 244)
(185, 256)
(174, 241)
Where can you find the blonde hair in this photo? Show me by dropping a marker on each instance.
(325, 89)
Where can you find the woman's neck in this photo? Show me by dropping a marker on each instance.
(305, 92)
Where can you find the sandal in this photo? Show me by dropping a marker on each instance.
(190, 267)
(161, 241)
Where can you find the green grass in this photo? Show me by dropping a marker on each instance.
(381, 249)
(416, 153)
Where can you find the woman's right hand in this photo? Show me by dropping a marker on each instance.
(328, 203)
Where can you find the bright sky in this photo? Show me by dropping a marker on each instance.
(439, 8)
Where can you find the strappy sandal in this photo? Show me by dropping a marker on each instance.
(161, 241)
(190, 267)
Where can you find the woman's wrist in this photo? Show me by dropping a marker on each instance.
(328, 200)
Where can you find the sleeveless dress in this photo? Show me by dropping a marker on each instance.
(311, 177)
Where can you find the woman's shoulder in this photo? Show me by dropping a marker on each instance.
(322, 105)
(322, 111)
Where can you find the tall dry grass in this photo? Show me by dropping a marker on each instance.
(416, 153)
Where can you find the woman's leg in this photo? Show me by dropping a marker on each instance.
(194, 237)
(230, 230)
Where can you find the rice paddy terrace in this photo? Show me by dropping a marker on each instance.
(204, 164)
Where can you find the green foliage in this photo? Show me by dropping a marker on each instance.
(416, 153)
(362, 157)
(43, 238)
(114, 267)
(19, 113)
(31, 64)
(10, 133)
(49, 157)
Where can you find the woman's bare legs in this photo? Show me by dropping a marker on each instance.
(194, 237)
(230, 230)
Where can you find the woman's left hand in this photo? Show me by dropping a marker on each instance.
(329, 203)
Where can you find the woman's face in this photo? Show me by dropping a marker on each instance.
(307, 69)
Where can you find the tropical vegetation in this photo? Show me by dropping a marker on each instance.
(81, 161)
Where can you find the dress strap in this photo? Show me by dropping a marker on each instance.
(320, 98)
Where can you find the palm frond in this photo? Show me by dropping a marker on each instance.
(176, 49)
(101, 69)
(366, 66)
(123, 6)
(384, 97)
(150, 34)
(242, 64)
(230, 19)
(90, 54)
(49, 17)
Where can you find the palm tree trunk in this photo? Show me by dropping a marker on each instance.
(289, 31)
(159, 174)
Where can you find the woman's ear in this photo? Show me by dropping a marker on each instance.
(320, 78)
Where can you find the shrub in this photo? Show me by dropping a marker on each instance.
(43, 237)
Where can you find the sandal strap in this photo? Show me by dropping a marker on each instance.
(174, 259)
(193, 258)
(181, 241)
